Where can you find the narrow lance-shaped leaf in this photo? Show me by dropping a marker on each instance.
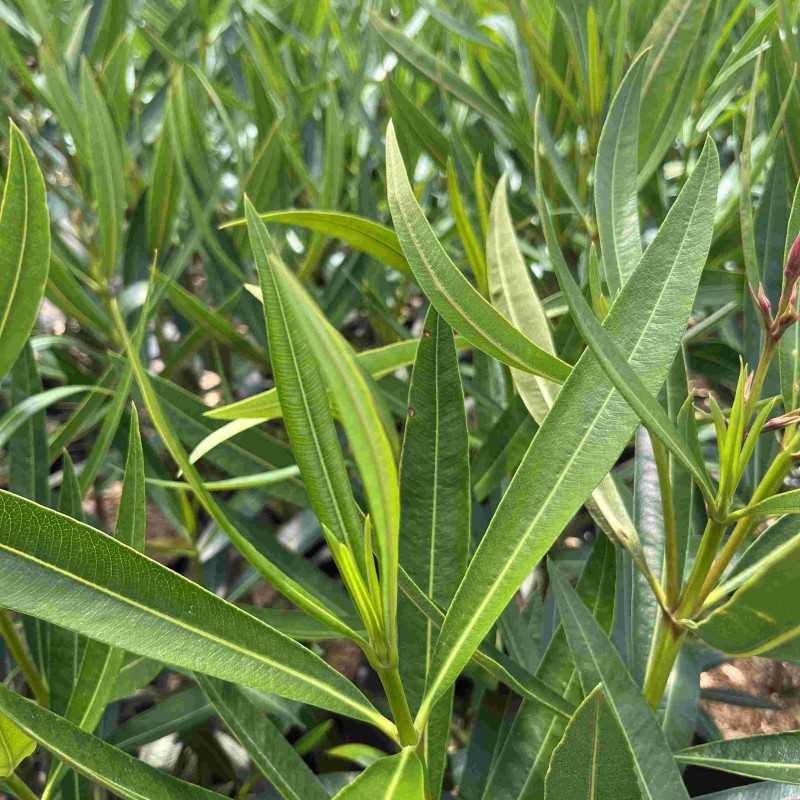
(397, 777)
(278, 761)
(520, 770)
(304, 401)
(494, 663)
(593, 760)
(616, 367)
(615, 199)
(358, 408)
(66, 572)
(599, 662)
(448, 290)
(24, 248)
(435, 520)
(514, 296)
(361, 234)
(105, 162)
(588, 426)
(771, 757)
(102, 763)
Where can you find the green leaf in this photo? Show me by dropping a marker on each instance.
(291, 588)
(60, 570)
(593, 760)
(615, 365)
(494, 663)
(24, 248)
(515, 298)
(19, 414)
(670, 76)
(397, 777)
(439, 72)
(100, 762)
(775, 506)
(105, 162)
(757, 619)
(435, 519)
(469, 240)
(361, 234)
(28, 464)
(461, 306)
(513, 295)
(356, 402)
(615, 198)
(15, 747)
(415, 124)
(302, 393)
(588, 426)
(599, 662)
(754, 556)
(164, 192)
(268, 749)
(771, 757)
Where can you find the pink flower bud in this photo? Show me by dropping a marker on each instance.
(792, 268)
(763, 302)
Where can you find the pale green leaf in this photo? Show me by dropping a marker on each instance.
(593, 760)
(771, 757)
(454, 297)
(24, 248)
(615, 199)
(397, 777)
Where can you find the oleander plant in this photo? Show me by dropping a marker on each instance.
(397, 399)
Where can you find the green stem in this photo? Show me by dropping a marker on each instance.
(19, 787)
(23, 659)
(672, 580)
(669, 639)
(709, 544)
(395, 694)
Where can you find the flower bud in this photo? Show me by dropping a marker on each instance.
(791, 269)
(763, 302)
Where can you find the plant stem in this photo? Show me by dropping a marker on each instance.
(19, 787)
(672, 581)
(23, 659)
(395, 694)
(709, 544)
(669, 639)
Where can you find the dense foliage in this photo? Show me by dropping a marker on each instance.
(399, 400)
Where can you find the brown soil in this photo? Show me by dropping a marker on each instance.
(777, 682)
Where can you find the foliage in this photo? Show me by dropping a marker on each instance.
(441, 363)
